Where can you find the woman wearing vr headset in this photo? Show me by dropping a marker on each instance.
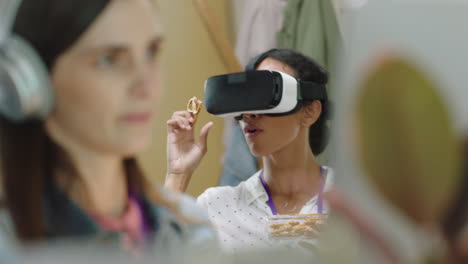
(71, 172)
(291, 182)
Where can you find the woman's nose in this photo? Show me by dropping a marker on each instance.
(145, 83)
(251, 116)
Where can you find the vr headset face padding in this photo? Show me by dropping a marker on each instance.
(257, 92)
(25, 88)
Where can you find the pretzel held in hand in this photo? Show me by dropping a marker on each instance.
(194, 106)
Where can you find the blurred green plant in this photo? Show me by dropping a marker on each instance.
(406, 140)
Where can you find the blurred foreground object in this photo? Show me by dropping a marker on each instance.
(400, 115)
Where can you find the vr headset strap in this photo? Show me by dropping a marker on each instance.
(312, 91)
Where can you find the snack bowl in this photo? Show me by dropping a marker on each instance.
(295, 226)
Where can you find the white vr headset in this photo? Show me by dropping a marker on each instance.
(272, 93)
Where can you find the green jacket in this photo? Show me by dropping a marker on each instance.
(311, 27)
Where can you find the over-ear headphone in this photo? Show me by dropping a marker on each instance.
(25, 88)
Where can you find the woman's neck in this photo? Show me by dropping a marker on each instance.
(96, 181)
(292, 171)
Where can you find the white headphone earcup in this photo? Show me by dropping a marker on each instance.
(25, 88)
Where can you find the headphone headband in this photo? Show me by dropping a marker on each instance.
(8, 10)
(25, 89)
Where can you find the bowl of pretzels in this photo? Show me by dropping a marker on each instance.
(295, 226)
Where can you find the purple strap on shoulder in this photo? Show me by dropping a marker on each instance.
(270, 199)
(272, 206)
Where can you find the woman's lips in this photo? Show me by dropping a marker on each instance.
(138, 118)
(252, 131)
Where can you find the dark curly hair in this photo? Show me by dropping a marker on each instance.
(306, 69)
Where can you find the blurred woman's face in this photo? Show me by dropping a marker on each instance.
(107, 83)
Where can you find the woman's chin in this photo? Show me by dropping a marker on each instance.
(135, 147)
(257, 152)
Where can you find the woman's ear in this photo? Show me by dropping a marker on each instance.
(311, 112)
